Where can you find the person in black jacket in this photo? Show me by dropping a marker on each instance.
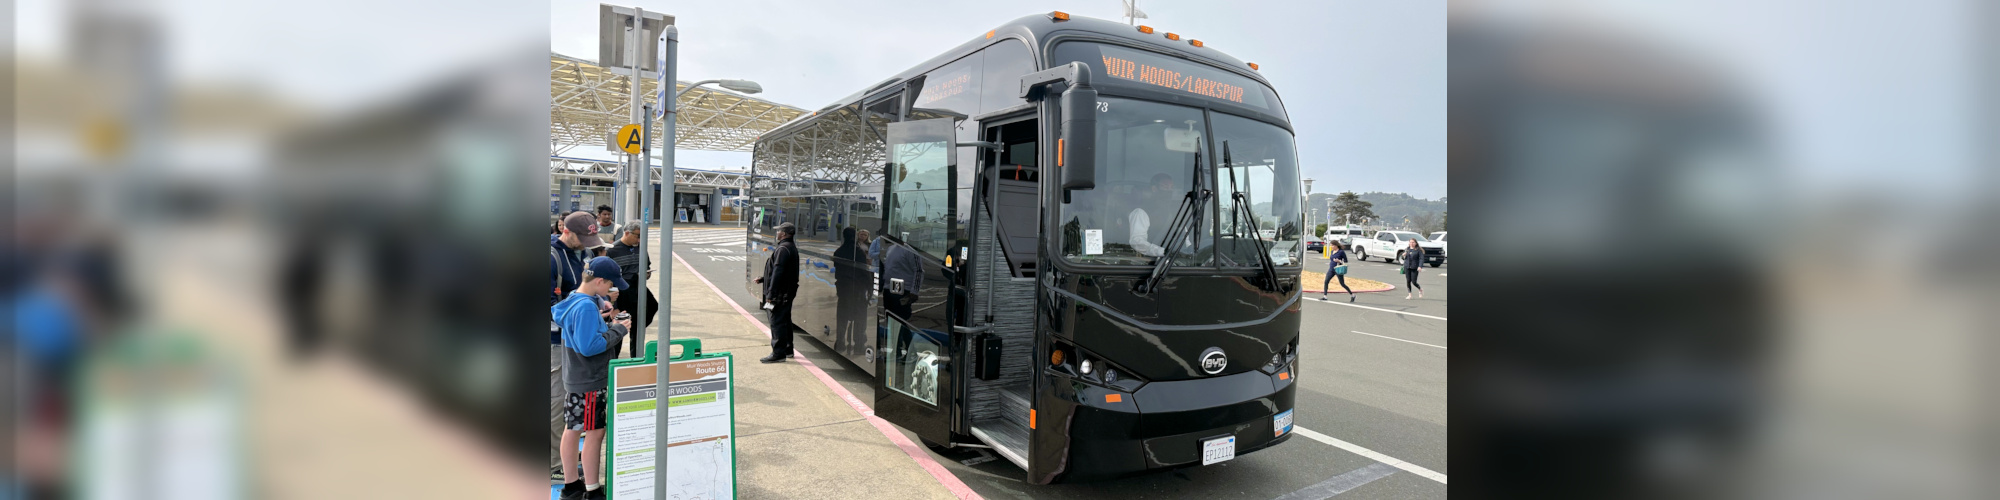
(781, 285)
(1413, 259)
(626, 253)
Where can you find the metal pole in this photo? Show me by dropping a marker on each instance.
(634, 175)
(667, 78)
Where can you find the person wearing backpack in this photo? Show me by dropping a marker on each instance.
(567, 250)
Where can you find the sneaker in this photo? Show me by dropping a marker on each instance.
(1350, 297)
(772, 359)
(573, 490)
(1322, 297)
(596, 494)
(1406, 296)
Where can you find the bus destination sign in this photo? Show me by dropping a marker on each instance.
(1118, 67)
(1121, 65)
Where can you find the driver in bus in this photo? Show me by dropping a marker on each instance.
(1163, 199)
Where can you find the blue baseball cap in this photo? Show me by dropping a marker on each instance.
(604, 267)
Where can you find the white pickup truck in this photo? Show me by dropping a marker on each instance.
(1390, 245)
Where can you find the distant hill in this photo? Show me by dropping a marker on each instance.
(1389, 207)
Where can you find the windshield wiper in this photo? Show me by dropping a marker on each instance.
(1187, 222)
(1243, 212)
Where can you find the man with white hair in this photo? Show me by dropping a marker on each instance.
(626, 254)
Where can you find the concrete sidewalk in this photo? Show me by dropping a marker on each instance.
(796, 438)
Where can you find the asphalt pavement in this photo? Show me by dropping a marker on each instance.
(1370, 409)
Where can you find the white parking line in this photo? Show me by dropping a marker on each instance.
(1371, 454)
(1439, 318)
(1397, 339)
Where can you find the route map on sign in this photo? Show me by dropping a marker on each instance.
(700, 457)
(635, 403)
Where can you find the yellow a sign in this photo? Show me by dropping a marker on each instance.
(630, 140)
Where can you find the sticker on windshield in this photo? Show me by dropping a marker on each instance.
(1093, 241)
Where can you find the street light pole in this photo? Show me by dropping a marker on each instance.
(668, 69)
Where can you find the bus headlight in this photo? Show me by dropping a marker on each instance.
(1085, 367)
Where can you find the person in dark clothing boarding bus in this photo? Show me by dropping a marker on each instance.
(781, 284)
(588, 332)
(1413, 259)
(1336, 268)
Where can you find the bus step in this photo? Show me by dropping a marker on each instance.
(1008, 438)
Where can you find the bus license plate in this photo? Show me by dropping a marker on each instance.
(1282, 423)
(1218, 450)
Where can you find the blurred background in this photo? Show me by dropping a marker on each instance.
(1717, 249)
(1726, 249)
(276, 249)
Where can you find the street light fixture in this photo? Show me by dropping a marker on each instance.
(740, 86)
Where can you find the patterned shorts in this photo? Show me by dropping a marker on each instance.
(584, 411)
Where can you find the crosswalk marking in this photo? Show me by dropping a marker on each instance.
(708, 237)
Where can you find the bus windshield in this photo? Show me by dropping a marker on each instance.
(1147, 153)
(1257, 160)
(1146, 158)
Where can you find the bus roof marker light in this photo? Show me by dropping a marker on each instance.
(1253, 66)
(1171, 36)
(1194, 42)
(1145, 29)
(989, 34)
(1059, 16)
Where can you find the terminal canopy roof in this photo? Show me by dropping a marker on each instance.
(589, 102)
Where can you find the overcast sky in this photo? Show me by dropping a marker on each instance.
(1363, 80)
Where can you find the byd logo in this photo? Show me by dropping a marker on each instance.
(1213, 360)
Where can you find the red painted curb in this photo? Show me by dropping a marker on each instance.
(916, 452)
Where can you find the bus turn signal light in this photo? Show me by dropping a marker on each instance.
(1194, 42)
(1114, 398)
(1055, 357)
(1059, 15)
(1146, 29)
(1171, 36)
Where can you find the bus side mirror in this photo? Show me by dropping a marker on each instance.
(1076, 150)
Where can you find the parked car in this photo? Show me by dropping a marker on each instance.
(1314, 244)
(1390, 245)
(1438, 238)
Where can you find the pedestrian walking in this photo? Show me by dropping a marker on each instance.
(1336, 269)
(588, 332)
(1413, 259)
(781, 284)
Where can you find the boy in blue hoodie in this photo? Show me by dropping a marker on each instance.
(587, 337)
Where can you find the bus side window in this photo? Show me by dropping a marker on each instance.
(1005, 63)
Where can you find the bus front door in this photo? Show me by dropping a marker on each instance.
(917, 368)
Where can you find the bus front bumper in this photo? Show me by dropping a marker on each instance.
(1166, 427)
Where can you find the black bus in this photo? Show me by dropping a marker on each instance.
(1074, 241)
